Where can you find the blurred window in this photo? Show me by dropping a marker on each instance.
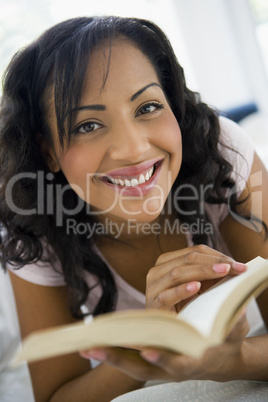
(259, 9)
(21, 21)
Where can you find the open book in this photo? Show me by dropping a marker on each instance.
(202, 323)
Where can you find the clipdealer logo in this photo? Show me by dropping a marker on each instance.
(132, 226)
(50, 200)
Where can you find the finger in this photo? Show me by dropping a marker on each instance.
(240, 329)
(200, 248)
(176, 365)
(195, 257)
(168, 298)
(84, 354)
(129, 362)
(179, 275)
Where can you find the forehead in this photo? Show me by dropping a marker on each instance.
(113, 73)
(121, 67)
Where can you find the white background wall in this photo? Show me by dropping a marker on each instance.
(222, 46)
(214, 39)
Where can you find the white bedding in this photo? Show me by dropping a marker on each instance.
(15, 383)
(197, 391)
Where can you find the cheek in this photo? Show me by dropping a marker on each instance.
(173, 142)
(78, 163)
(169, 138)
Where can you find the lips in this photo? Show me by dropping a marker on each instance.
(134, 181)
(140, 177)
(134, 170)
(133, 175)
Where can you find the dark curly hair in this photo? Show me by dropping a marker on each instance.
(57, 61)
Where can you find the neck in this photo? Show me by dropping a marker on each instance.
(136, 250)
(131, 231)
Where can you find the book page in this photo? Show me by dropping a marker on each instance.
(203, 311)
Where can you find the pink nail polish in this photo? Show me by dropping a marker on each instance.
(221, 268)
(84, 355)
(150, 355)
(97, 355)
(239, 267)
(193, 286)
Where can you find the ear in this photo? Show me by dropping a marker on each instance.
(49, 154)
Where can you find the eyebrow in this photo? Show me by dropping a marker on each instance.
(137, 94)
(103, 107)
(90, 107)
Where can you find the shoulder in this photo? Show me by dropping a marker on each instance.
(233, 140)
(238, 149)
(46, 273)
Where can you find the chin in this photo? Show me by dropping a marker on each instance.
(145, 217)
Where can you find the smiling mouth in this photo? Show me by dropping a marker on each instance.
(134, 181)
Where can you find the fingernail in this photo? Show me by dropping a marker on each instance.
(243, 312)
(193, 286)
(97, 355)
(221, 268)
(150, 355)
(239, 267)
(85, 355)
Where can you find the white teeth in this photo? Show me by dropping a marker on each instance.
(133, 182)
(141, 179)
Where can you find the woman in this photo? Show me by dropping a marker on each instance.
(119, 191)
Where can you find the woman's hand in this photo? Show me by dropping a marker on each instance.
(179, 275)
(220, 363)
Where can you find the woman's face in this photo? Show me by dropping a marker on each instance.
(125, 149)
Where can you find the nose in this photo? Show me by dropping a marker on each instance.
(130, 143)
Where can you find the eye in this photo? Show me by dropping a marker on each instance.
(87, 127)
(149, 108)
